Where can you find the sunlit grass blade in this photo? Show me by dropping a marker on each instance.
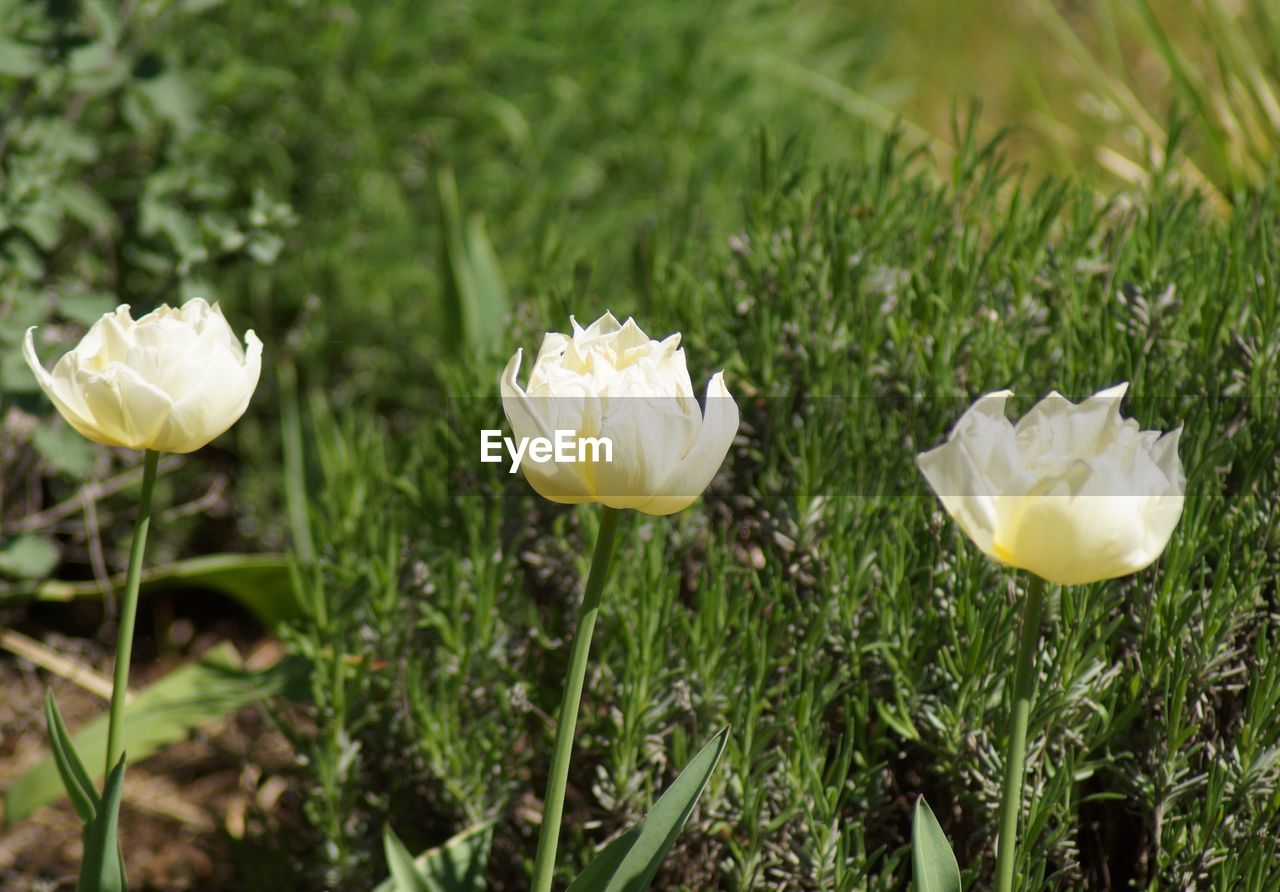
(1193, 90)
(1120, 95)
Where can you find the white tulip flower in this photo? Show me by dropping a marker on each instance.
(1072, 493)
(168, 382)
(610, 381)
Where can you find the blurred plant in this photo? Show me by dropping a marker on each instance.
(585, 138)
(1092, 82)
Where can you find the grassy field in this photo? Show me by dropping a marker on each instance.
(694, 168)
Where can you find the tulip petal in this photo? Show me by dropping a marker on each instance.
(1164, 452)
(650, 437)
(212, 318)
(695, 470)
(960, 470)
(64, 397)
(214, 401)
(554, 481)
(126, 409)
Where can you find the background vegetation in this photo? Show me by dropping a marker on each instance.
(396, 196)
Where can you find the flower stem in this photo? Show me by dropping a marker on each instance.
(129, 611)
(553, 806)
(1024, 683)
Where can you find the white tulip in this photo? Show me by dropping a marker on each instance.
(1073, 493)
(169, 382)
(611, 381)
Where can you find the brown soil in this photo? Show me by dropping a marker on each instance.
(183, 808)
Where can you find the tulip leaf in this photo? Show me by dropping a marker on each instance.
(196, 694)
(259, 582)
(490, 290)
(405, 876)
(102, 869)
(630, 862)
(75, 779)
(458, 865)
(933, 866)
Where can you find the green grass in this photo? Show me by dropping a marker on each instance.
(817, 600)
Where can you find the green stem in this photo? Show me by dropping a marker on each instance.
(553, 807)
(1024, 683)
(129, 612)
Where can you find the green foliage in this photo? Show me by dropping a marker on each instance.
(75, 779)
(27, 557)
(588, 136)
(259, 582)
(104, 197)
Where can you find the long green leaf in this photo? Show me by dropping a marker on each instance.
(475, 292)
(458, 865)
(490, 289)
(630, 862)
(201, 692)
(102, 869)
(933, 866)
(260, 582)
(75, 779)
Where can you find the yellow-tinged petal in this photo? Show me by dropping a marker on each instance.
(695, 470)
(1073, 493)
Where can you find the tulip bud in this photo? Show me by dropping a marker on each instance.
(169, 382)
(1073, 493)
(611, 382)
